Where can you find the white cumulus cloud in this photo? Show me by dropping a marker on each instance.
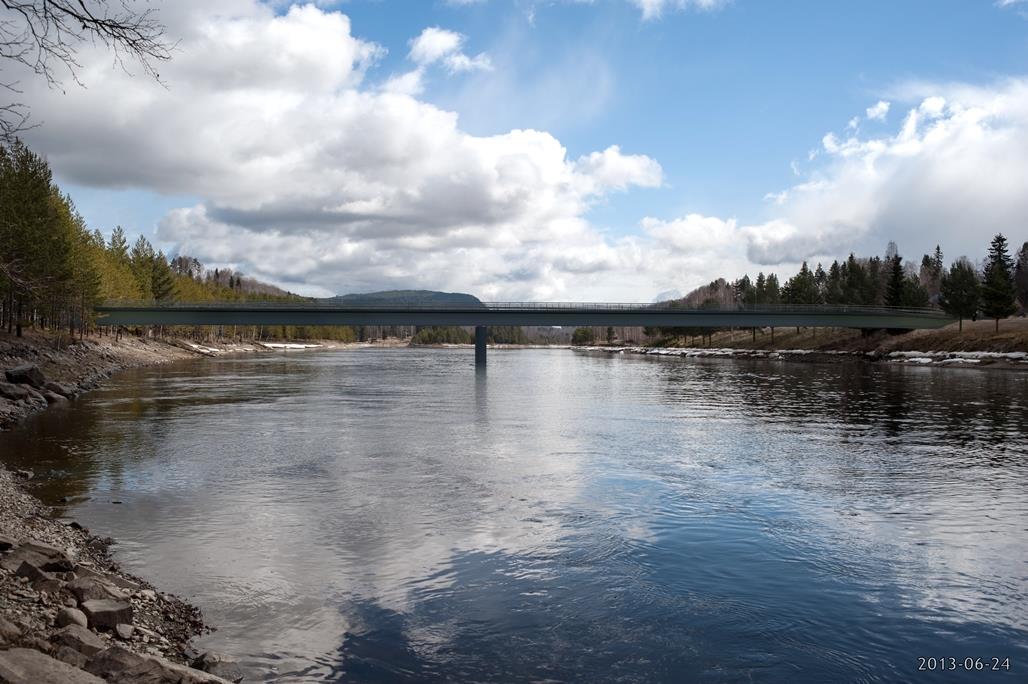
(435, 44)
(955, 173)
(311, 179)
(879, 111)
(653, 9)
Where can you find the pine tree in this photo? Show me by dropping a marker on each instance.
(802, 288)
(772, 291)
(745, 292)
(855, 282)
(1021, 277)
(821, 280)
(760, 289)
(960, 291)
(162, 281)
(582, 336)
(998, 282)
(119, 244)
(141, 262)
(894, 288)
(833, 286)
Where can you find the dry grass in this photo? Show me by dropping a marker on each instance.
(976, 336)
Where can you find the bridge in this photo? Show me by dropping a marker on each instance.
(480, 316)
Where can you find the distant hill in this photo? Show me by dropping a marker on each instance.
(667, 296)
(401, 297)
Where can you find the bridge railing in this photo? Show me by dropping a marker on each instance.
(542, 307)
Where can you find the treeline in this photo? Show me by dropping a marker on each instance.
(497, 334)
(54, 269)
(999, 288)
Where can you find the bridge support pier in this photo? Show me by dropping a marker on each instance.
(481, 332)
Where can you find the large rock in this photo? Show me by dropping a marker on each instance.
(25, 666)
(78, 638)
(69, 655)
(107, 613)
(14, 392)
(118, 665)
(71, 616)
(54, 397)
(7, 543)
(44, 556)
(60, 388)
(39, 578)
(10, 633)
(222, 666)
(31, 571)
(26, 374)
(90, 588)
(109, 579)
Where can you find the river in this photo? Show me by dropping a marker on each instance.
(380, 515)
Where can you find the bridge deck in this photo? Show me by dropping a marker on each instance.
(515, 313)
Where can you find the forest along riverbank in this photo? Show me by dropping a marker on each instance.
(977, 345)
(68, 613)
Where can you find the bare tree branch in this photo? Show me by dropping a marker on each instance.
(45, 35)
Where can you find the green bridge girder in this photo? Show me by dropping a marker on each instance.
(516, 313)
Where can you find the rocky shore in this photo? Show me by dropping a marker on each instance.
(68, 613)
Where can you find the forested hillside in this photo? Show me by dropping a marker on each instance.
(996, 289)
(54, 268)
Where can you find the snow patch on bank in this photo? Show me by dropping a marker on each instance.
(922, 358)
(289, 345)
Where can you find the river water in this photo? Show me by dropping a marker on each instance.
(381, 515)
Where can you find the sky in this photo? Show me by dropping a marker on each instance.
(542, 150)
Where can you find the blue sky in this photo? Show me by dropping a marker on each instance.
(730, 100)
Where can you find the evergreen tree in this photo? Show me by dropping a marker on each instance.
(582, 336)
(998, 282)
(802, 288)
(162, 279)
(960, 291)
(772, 291)
(119, 244)
(26, 222)
(760, 289)
(833, 292)
(855, 285)
(914, 295)
(141, 260)
(821, 280)
(1021, 276)
(894, 289)
(745, 292)
(877, 279)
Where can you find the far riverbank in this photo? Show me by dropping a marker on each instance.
(979, 344)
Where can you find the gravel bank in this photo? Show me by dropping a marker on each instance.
(68, 613)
